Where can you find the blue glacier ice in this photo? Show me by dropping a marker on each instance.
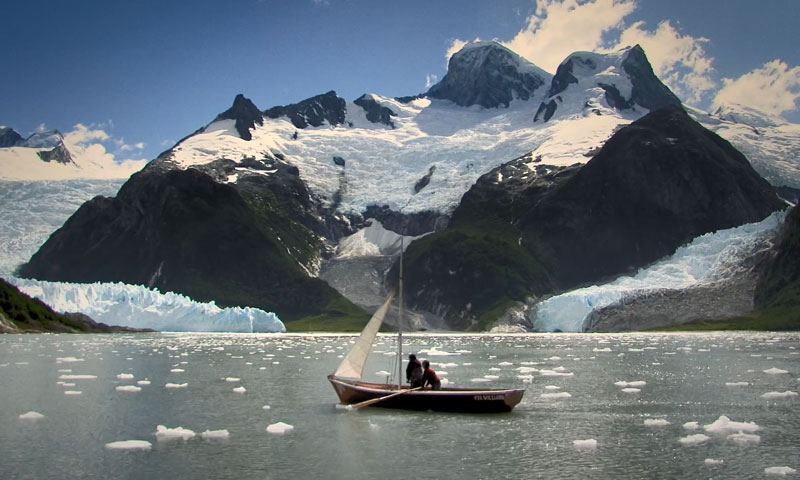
(31, 211)
(707, 259)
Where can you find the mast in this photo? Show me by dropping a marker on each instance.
(400, 322)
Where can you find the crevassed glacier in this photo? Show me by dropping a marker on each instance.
(706, 260)
(141, 307)
(31, 211)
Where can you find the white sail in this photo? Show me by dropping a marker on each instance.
(353, 364)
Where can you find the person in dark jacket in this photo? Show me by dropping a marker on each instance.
(414, 371)
(429, 377)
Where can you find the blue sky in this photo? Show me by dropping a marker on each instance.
(148, 73)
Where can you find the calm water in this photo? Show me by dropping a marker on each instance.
(685, 381)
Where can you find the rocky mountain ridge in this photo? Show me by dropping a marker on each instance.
(247, 210)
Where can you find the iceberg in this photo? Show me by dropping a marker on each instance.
(706, 260)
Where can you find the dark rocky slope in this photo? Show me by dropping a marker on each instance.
(654, 186)
(179, 230)
(779, 285)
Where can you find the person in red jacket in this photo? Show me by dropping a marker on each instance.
(429, 377)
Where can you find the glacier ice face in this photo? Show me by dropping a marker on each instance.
(706, 260)
(31, 211)
(141, 307)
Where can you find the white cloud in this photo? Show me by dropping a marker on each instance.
(127, 148)
(773, 89)
(83, 135)
(560, 27)
(454, 47)
(430, 80)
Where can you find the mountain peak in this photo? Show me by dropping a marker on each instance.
(314, 111)
(246, 114)
(9, 137)
(624, 79)
(490, 75)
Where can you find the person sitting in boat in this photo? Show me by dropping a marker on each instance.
(429, 377)
(414, 371)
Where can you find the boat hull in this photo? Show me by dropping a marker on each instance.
(457, 400)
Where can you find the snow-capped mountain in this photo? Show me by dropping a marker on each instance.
(297, 178)
(770, 143)
(48, 155)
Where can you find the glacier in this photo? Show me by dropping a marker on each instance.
(31, 211)
(706, 260)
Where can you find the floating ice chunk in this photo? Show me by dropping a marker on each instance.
(177, 433)
(72, 392)
(491, 377)
(712, 462)
(129, 388)
(77, 377)
(691, 426)
(631, 390)
(177, 370)
(775, 371)
(239, 389)
(129, 445)
(445, 382)
(776, 395)
(588, 445)
(736, 384)
(552, 387)
(68, 360)
(279, 428)
(742, 438)
(215, 435)
(635, 383)
(505, 364)
(231, 379)
(176, 385)
(266, 407)
(556, 395)
(606, 349)
(382, 373)
(724, 426)
(143, 382)
(125, 376)
(554, 358)
(553, 373)
(656, 422)
(695, 439)
(780, 471)
(31, 416)
(61, 370)
(65, 384)
(527, 369)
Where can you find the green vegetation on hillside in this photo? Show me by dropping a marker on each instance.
(22, 313)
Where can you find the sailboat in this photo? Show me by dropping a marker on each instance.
(356, 393)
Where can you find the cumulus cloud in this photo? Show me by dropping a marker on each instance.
(83, 135)
(430, 80)
(773, 89)
(454, 47)
(128, 148)
(558, 28)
